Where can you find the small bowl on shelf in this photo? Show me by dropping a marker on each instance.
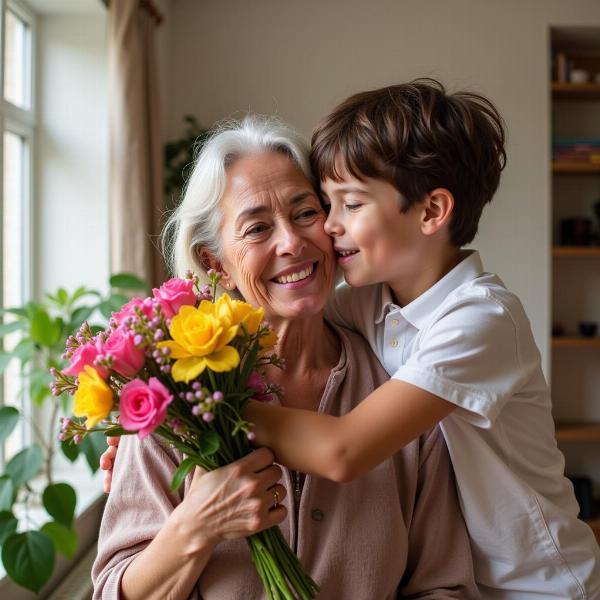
(587, 329)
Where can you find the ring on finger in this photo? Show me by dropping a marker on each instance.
(275, 498)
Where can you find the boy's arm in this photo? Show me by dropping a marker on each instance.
(344, 448)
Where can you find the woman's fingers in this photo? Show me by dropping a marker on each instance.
(107, 458)
(107, 481)
(113, 441)
(274, 496)
(257, 460)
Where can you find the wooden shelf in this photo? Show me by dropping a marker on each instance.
(576, 342)
(574, 168)
(578, 432)
(583, 251)
(575, 91)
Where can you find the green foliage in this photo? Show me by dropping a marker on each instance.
(179, 158)
(37, 333)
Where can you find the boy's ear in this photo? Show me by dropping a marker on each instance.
(209, 261)
(437, 210)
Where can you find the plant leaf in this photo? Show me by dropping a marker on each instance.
(25, 465)
(9, 417)
(209, 442)
(5, 358)
(80, 315)
(64, 538)
(128, 281)
(20, 312)
(8, 525)
(7, 490)
(7, 328)
(181, 473)
(29, 559)
(44, 330)
(93, 445)
(70, 450)
(59, 501)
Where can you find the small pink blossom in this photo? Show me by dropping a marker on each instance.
(175, 293)
(85, 355)
(128, 310)
(127, 358)
(255, 380)
(144, 406)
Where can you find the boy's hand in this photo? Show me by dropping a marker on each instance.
(107, 460)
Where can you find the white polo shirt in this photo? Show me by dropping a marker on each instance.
(467, 340)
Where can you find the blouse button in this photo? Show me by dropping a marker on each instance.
(316, 514)
(395, 322)
(394, 343)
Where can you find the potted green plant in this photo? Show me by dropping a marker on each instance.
(28, 551)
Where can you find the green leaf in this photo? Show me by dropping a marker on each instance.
(44, 330)
(29, 559)
(127, 281)
(209, 442)
(93, 445)
(9, 417)
(7, 491)
(70, 450)
(25, 465)
(181, 473)
(8, 525)
(5, 358)
(64, 538)
(82, 291)
(24, 350)
(80, 315)
(20, 312)
(7, 328)
(59, 501)
(38, 387)
(62, 296)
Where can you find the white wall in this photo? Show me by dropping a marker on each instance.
(299, 59)
(71, 216)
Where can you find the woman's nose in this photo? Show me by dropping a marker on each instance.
(289, 242)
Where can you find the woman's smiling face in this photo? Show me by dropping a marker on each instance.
(275, 249)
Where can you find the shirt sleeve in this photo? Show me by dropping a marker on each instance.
(138, 505)
(468, 356)
(439, 562)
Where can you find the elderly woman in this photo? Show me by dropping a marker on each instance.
(250, 211)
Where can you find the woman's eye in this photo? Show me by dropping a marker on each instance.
(307, 214)
(256, 229)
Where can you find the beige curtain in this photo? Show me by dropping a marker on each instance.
(136, 196)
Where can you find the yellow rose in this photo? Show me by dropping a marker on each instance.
(238, 312)
(200, 337)
(268, 341)
(93, 398)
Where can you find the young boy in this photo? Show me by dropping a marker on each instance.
(405, 172)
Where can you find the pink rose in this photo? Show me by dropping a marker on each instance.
(174, 294)
(144, 406)
(85, 355)
(128, 310)
(127, 360)
(255, 380)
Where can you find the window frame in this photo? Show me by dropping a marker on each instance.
(21, 122)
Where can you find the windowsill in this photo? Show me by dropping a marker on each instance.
(88, 512)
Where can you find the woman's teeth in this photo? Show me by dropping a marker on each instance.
(295, 276)
(347, 252)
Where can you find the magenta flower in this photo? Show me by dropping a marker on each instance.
(255, 380)
(85, 355)
(144, 406)
(173, 294)
(127, 358)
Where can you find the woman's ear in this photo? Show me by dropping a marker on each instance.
(209, 261)
(437, 210)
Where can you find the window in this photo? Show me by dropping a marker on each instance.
(17, 133)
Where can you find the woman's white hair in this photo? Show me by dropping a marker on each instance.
(195, 223)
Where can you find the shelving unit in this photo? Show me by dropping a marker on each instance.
(576, 269)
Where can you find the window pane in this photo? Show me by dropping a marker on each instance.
(16, 61)
(15, 164)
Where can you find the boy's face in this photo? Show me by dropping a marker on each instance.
(373, 240)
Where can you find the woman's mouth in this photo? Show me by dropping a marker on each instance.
(295, 279)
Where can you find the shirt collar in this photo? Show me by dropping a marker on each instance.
(420, 309)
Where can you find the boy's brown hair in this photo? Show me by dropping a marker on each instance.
(417, 137)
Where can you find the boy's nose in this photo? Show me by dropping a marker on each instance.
(332, 225)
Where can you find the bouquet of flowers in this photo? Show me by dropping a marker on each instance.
(181, 365)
